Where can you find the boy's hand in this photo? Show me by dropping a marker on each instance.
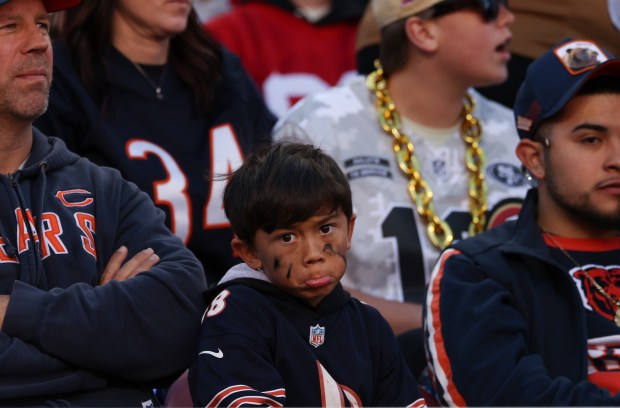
(116, 270)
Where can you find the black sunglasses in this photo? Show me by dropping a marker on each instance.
(488, 8)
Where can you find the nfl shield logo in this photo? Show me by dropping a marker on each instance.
(317, 335)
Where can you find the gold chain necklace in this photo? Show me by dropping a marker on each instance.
(438, 231)
(593, 281)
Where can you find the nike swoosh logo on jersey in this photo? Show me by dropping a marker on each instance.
(219, 353)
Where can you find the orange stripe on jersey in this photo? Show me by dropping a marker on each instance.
(225, 393)
(255, 400)
(421, 403)
(280, 392)
(331, 393)
(444, 371)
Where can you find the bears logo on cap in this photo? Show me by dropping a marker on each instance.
(580, 56)
(555, 77)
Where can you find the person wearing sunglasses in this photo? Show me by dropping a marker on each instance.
(489, 9)
(429, 160)
(368, 36)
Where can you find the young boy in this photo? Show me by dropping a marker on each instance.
(280, 329)
(429, 160)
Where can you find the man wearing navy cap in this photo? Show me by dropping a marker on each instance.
(529, 313)
(99, 303)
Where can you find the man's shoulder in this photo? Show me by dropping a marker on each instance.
(488, 241)
(82, 170)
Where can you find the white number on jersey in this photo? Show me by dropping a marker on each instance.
(226, 156)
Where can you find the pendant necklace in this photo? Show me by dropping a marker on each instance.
(156, 86)
(593, 281)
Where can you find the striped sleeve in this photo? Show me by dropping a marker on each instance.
(439, 361)
(242, 395)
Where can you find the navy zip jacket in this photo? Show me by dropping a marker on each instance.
(64, 334)
(505, 324)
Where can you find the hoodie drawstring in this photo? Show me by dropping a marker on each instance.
(9, 247)
(38, 277)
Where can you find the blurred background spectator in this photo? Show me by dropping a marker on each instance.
(291, 48)
(538, 26)
(207, 9)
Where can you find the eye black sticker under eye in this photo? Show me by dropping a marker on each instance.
(276, 264)
(329, 249)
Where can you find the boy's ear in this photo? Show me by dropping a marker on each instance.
(351, 227)
(422, 33)
(531, 154)
(246, 252)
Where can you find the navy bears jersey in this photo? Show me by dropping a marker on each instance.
(163, 146)
(260, 345)
(589, 261)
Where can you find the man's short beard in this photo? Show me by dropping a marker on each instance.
(24, 103)
(28, 111)
(581, 208)
(31, 114)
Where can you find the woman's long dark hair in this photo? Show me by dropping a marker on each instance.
(194, 55)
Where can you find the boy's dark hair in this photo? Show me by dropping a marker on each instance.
(281, 185)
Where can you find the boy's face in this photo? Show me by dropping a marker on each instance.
(307, 259)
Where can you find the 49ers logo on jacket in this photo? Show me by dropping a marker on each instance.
(608, 278)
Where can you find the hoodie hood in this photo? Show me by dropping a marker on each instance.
(48, 152)
(244, 275)
(242, 270)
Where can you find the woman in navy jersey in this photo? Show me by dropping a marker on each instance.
(141, 87)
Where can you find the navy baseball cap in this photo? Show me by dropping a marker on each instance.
(555, 77)
(53, 5)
